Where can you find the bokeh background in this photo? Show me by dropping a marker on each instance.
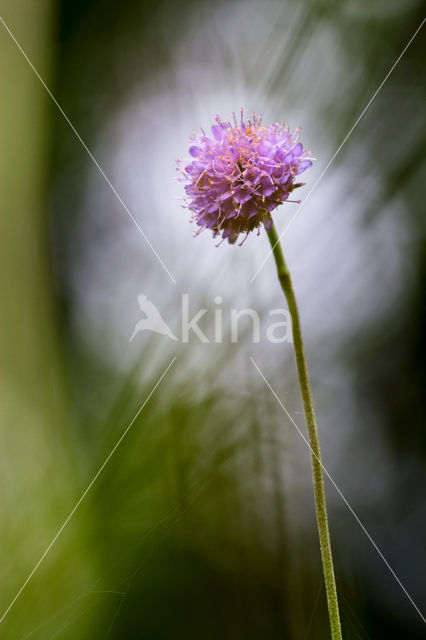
(202, 523)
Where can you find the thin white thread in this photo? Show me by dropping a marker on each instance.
(300, 207)
(308, 630)
(98, 473)
(90, 154)
(341, 495)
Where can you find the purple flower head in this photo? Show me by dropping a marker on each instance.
(241, 173)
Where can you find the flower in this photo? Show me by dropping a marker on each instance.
(241, 173)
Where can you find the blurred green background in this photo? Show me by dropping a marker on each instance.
(202, 523)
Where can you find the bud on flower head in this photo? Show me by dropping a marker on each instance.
(240, 174)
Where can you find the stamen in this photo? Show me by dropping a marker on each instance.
(244, 239)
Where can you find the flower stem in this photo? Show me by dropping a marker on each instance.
(317, 475)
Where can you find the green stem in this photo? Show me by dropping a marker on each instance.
(318, 481)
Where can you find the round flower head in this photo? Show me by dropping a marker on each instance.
(241, 173)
